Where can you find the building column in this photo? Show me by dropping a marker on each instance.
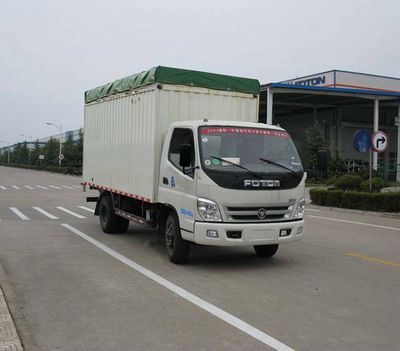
(376, 128)
(270, 103)
(397, 123)
(331, 134)
(339, 131)
(315, 114)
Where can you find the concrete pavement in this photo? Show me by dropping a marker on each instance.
(337, 289)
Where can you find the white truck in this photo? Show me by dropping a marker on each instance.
(182, 151)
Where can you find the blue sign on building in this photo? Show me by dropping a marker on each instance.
(312, 81)
(362, 140)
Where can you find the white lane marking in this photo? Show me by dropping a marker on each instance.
(311, 209)
(15, 187)
(3, 187)
(70, 212)
(86, 208)
(29, 187)
(19, 213)
(67, 186)
(41, 187)
(206, 306)
(352, 222)
(54, 187)
(42, 211)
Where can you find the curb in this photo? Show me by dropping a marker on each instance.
(11, 314)
(9, 338)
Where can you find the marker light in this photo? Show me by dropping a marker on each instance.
(285, 232)
(212, 234)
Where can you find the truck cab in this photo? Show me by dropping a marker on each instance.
(231, 184)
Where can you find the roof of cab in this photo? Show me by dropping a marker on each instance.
(210, 122)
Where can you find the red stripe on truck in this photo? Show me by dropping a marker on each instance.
(117, 191)
(243, 130)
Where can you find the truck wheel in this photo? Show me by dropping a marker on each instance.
(108, 219)
(123, 224)
(177, 248)
(266, 250)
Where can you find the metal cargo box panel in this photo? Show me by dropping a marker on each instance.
(119, 143)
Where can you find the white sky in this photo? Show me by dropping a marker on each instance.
(52, 51)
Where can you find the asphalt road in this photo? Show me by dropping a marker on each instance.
(72, 287)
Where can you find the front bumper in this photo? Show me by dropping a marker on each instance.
(251, 233)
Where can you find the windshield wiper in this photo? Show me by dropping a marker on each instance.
(282, 166)
(238, 166)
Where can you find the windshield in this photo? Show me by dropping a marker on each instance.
(223, 148)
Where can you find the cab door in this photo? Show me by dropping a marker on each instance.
(178, 186)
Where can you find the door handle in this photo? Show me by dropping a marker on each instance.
(165, 181)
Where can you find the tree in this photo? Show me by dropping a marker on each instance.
(3, 155)
(309, 151)
(34, 156)
(15, 154)
(69, 154)
(50, 151)
(24, 153)
(79, 149)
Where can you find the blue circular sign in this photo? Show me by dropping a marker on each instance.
(362, 140)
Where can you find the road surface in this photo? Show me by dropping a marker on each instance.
(76, 288)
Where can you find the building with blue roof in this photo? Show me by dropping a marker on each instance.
(339, 103)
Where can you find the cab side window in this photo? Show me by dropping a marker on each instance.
(180, 136)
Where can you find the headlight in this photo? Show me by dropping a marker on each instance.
(299, 209)
(208, 210)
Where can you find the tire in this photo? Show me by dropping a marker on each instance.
(123, 224)
(109, 221)
(177, 248)
(266, 250)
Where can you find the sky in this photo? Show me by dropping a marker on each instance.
(52, 51)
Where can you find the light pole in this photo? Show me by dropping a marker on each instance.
(59, 127)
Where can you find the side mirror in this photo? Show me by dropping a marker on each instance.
(185, 156)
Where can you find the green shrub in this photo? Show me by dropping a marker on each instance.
(390, 201)
(348, 182)
(332, 180)
(318, 196)
(334, 198)
(365, 174)
(354, 200)
(56, 169)
(384, 202)
(376, 184)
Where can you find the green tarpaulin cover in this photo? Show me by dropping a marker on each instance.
(175, 76)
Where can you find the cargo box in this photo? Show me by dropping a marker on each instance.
(126, 122)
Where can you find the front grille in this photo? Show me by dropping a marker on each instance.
(259, 213)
